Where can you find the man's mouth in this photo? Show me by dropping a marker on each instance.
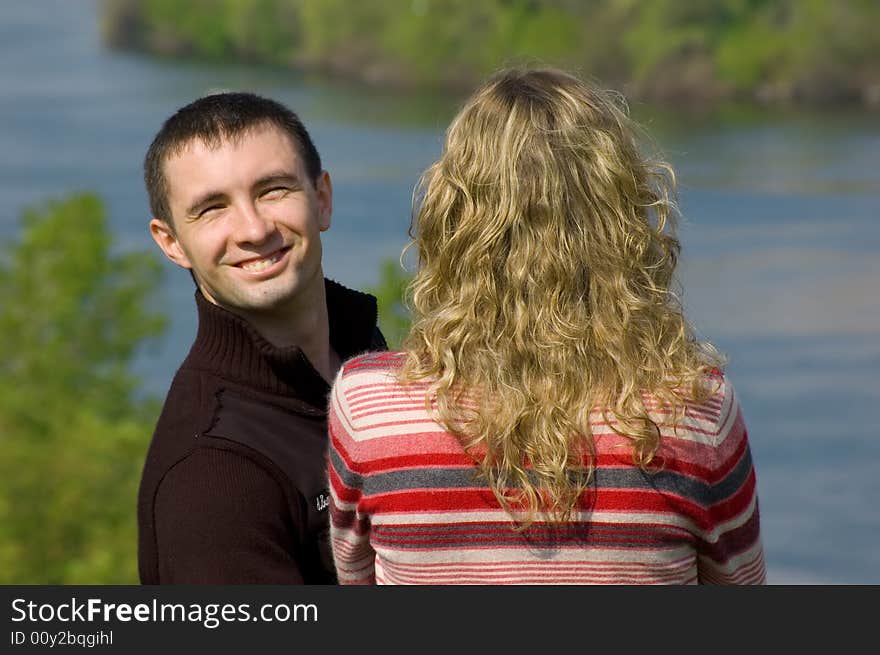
(257, 265)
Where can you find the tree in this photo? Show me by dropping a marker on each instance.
(394, 317)
(73, 430)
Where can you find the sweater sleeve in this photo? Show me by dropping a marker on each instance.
(222, 519)
(353, 555)
(730, 549)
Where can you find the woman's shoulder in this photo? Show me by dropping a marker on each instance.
(378, 367)
(716, 382)
(715, 415)
(373, 361)
(720, 389)
(372, 400)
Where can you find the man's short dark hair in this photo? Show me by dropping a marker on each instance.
(214, 119)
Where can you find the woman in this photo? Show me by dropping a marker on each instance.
(552, 417)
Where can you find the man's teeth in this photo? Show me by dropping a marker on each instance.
(258, 265)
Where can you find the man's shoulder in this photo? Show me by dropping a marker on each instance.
(190, 411)
(337, 291)
(185, 402)
(353, 319)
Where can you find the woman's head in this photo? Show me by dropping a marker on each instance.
(541, 187)
(545, 235)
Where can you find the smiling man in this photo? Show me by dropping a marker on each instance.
(234, 484)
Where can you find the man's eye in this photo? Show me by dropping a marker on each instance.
(275, 193)
(209, 209)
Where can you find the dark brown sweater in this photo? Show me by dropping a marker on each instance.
(234, 487)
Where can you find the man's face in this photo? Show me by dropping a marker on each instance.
(247, 221)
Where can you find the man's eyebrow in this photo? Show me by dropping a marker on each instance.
(202, 201)
(281, 177)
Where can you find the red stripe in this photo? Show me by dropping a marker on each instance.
(480, 498)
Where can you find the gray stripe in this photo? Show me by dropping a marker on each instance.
(494, 535)
(667, 482)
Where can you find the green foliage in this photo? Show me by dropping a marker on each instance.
(751, 53)
(735, 45)
(272, 37)
(663, 30)
(72, 432)
(264, 30)
(809, 45)
(437, 42)
(338, 31)
(394, 317)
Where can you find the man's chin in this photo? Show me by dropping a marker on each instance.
(262, 301)
(278, 294)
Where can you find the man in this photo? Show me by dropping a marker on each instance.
(234, 485)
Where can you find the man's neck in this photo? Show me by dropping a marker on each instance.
(305, 324)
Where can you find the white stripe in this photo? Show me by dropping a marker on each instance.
(576, 553)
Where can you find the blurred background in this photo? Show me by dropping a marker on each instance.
(769, 110)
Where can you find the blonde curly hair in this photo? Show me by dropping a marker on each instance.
(546, 245)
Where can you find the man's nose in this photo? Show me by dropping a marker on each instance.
(252, 226)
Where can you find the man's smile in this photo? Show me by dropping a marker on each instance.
(260, 264)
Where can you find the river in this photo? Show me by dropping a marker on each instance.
(781, 236)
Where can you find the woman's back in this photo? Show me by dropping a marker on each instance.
(553, 416)
(408, 506)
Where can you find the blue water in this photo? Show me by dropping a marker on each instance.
(781, 236)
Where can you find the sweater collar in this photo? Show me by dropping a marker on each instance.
(230, 347)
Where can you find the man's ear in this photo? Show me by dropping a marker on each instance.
(325, 200)
(166, 239)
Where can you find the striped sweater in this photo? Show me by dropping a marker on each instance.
(407, 508)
